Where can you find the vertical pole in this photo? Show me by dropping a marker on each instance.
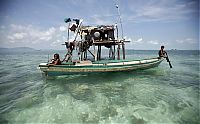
(86, 54)
(117, 32)
(123, 50)
(118, 52)
(120, 20)
(81, 56)
(68, 33)
(110, 51)
(48, 59)
(117, 41)
(97, 52)
(95, 55)
(114, 53)
(100, 52)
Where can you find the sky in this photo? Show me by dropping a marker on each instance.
(148, 24)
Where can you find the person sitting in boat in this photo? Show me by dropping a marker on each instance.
(70, 47)
(161, 52)
(55, 60)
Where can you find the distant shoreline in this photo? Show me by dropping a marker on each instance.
(33, 49)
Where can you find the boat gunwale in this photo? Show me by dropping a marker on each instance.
(96, 65)
(64, 71)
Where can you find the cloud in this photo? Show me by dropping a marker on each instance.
(179, 41)
(101, 19)
(63, 28)
(187, 40)
(127, 38)
(56, 43)
(160, 10)
(30, 33)
(98, 20)
(31, 36)
(155, 42)
(47, 35)
(17, 36)
(140, 40)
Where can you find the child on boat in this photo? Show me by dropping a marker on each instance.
(55, 60)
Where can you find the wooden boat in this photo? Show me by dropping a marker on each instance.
(96, 37)
(99, 66)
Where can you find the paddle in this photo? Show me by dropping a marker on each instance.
(167, 58)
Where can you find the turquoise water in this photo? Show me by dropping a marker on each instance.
(158, 95)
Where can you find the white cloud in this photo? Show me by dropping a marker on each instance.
(189, 39)
(50, 31)
(179, 41)
(46, 38)
(19, 27)
(63, 28)
(32, 36)
(17, 36)
(104, 19)
(155, 42)
(160, 10)
(186, 40)
(56, 43)
(140, 40)
(127, 38)
(46, 35)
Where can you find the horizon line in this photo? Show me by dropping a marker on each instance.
(102, 49)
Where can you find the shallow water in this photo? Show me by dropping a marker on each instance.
(158, 95)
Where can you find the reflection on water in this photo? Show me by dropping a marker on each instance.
(159, 95)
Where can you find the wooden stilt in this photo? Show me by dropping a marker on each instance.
(68, 33)
(118, 52)
(99, 52)
(110, 52)
(114, 53)
(95, 54)
(123, 50)
(81, 56)
(86, 55)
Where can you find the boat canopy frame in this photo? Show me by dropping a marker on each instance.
(99, 36)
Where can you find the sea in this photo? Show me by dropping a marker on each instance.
(153, 96)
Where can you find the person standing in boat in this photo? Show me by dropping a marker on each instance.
(70, 47)
(55, 60)
(161, 52)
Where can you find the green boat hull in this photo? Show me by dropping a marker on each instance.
(99, 67)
